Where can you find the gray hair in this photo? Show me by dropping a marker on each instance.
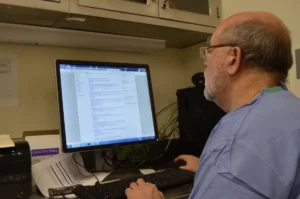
(262, 46)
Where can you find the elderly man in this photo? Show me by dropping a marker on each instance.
(254, 150)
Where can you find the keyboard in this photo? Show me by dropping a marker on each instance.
(164, 180)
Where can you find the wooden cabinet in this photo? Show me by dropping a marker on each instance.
(181, 23)
(180, 27)
(54, 5)
(139, 7)
(202, 12)
(32, 12)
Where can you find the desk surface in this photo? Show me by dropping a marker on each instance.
(171, 193)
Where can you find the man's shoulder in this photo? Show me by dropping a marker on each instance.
(274, 112)
(272, 118)
(282, 101)
(261, 123)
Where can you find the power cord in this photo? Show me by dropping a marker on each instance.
(114, 163)
(104, 156)
(165, 108)
(131, 160)
(174, 121)
(78, 164)
(169, 118)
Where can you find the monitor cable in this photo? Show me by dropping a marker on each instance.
(78, 164)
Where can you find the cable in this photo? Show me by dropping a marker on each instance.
(104, 156)
(165, 108)
(168, 143)
(77, 163)
(169, 124)
(171, 133)
(132, 160)
(113, 166)
(173, 129)
(172, 114)
(168, 120)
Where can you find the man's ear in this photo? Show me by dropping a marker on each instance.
(235, 58)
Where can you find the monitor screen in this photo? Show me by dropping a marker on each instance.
(104, 104)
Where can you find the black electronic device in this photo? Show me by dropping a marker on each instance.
(198, 79)
(15, 171)
(196, 117)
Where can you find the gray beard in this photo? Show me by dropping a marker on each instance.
(208, 96)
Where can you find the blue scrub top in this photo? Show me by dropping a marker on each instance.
(254, 151)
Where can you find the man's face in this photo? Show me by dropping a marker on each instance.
(215, 73)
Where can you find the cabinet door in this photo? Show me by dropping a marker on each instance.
(140, 7)
(54, 5)
(202, 12)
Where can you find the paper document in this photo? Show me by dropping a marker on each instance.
(43, 146)
(147, 171)
(6, 141)
(62, 171)
(8, 80)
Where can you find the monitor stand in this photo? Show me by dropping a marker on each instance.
(155, 156)
(94, 162)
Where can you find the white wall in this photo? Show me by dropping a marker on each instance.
(192, 60)
(38, 109)
(287, 10)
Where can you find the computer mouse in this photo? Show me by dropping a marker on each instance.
(180, 163)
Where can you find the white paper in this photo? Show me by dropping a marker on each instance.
(39, 142)
(6, 141)
(8, 80)
(147, 171)
(62, 171)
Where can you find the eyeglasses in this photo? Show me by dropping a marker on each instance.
(204, 51)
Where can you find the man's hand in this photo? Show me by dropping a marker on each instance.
(191, 161)
(143, 190)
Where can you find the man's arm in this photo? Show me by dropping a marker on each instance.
(225, 186)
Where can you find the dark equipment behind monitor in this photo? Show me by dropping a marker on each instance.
(197, 116)
(15, 171)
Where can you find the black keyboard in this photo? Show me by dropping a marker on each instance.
(167, 179)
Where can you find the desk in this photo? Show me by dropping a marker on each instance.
(124, 174)
(171, 193)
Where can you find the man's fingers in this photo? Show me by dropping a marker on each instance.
(127, 191)
(161, 194)
(181, 157)
(133, 185)
(184, 167)
(140, 181)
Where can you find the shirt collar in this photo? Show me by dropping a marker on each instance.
(281, 87)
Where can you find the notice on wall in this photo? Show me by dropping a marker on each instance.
(8, 80)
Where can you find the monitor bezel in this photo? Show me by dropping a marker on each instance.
(61, 109)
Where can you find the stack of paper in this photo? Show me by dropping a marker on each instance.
(62, 171)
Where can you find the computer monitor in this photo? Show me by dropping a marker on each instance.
(103, 105)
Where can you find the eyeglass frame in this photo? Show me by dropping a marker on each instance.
(204, 50)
